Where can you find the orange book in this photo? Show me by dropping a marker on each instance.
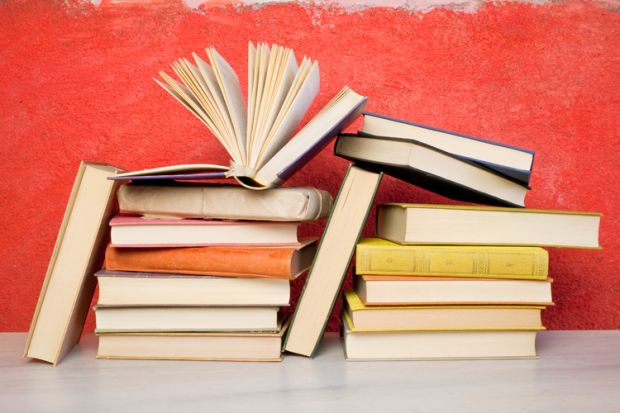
(270, 262)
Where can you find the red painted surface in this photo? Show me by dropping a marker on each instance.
(76, 83)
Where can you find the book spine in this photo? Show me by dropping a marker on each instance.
(529, 264)
(248, 262)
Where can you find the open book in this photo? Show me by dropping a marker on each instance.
(258, 139)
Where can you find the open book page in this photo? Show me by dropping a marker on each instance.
(337, 115)
(303, 91)
(175, 170)
(279, 79)
(231, 90)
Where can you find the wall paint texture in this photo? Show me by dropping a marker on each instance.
(76, 83)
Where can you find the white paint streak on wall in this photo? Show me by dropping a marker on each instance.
(356, 5)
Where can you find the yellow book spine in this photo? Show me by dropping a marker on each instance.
(527, 263)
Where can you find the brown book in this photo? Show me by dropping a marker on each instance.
(69, 283)
(272, 262)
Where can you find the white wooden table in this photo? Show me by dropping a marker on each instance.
(576, 372)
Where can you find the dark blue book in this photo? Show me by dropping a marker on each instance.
(505, 159)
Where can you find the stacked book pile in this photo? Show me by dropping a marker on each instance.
(201, 272)
(439, 281)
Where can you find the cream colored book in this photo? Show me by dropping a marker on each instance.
(69, 282)
(452, 224)
(406, 290)
(258, 135)
(223, 346)
(225, 202)
(331, 261)
(437, 345)
(158, 319)
(441, 317)
(125, 288)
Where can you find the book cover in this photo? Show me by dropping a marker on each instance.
(381, 257)
(69, 283)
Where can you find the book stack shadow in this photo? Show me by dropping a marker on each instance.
(201, 272)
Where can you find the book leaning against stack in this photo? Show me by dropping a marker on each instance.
(202, 271)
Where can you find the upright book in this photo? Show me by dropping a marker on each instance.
(452, 224)
(432, 169)
(331, 262)
(69, 282)
(505, 159)
(257, 138)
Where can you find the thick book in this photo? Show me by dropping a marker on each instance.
(215, 346)
(432, 169)
(376, 256)
(331, 262)
(451, 224)
(113, 319)
(259, 139)
(399, 290)
(69, 283)
(225, 202)
(440, 317)
(120, 288)
(286, 262)
(437, 345)
(136, 231)
(505, 159)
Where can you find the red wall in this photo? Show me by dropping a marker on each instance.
(76, 83)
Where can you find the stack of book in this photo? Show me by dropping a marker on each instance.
(439, 281)
(201, 272)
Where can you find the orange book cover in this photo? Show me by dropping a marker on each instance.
(269, 262)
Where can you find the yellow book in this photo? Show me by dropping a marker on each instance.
(361, 317)
(376, 256)
(474, 225)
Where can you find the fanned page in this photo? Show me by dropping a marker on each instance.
(257, 138)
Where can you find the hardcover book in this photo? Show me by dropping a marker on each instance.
(286, 262)
(440, 317)
(224, 202)
(331, 262)
(376, 256)
(430, 168)
(505, 159)
(135, 231)
(69, 283)
(258, 139)
(216, 346)
(120, 288)
(399, 290)
(452, 224)
(437, 345)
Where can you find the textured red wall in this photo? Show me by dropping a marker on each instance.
(76, 83)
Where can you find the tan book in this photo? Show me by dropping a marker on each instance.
(441, 317)
(332, 260)
(69, 282)
(225, 202)
(452, 224)
(258, 346)
(437, 345)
